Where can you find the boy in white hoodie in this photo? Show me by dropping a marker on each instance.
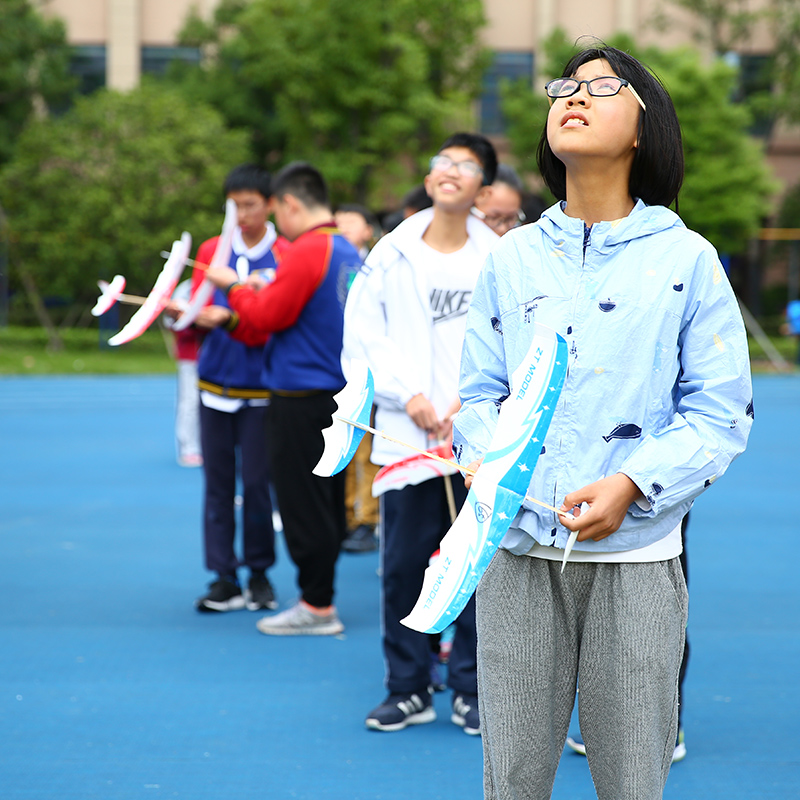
(405, 316)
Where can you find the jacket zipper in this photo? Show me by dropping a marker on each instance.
(587, 241)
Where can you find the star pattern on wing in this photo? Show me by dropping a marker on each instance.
(523, 468)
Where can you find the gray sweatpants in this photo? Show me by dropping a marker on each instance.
(621, 627)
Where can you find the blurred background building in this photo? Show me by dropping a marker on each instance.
(116, 41)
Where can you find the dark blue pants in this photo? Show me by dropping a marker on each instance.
(231, 440)
(414, 521)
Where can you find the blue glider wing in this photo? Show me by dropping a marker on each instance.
(499, 487)
(354, 404)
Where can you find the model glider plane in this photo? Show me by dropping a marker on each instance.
(498, 488)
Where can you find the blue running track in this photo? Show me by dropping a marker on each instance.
(113, 687)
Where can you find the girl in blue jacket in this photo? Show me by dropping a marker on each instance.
(656, 404)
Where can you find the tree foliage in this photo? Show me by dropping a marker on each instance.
(34, 68)
(785, 23)
(727, 183)
(526, 112)
(104, 188)
(722, 24)
(728, 25)
(352, 85)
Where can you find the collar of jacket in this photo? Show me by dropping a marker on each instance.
(406, 238)
(567, 232)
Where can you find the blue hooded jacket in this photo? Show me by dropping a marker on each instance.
(658, 384)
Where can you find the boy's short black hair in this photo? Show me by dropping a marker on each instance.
(356, 208)
(248, 178)
(657, 171)
(481, 148)
(302, 181)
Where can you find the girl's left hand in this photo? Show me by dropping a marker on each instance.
(473, 468)
(609, 499)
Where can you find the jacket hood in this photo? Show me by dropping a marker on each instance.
(644, 220)
(406, 238)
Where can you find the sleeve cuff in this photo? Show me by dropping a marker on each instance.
(641, 506)
(232, 322)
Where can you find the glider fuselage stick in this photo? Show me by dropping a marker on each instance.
(447, 461)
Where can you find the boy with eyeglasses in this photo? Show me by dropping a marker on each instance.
(405, 316)
(501, 207)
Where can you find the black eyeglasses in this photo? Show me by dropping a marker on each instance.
(605, 86)
(501, 222)
(469, 169)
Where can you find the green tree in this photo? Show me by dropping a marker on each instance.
(34, 68)
(525, 112)
(104, 188)
(722, 24)
(784, 17)
(727, 185)
(356, 86)
(728, 25)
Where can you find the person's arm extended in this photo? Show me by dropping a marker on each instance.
(275, 307)
(214, 316)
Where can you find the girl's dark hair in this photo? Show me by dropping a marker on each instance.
(657, 170)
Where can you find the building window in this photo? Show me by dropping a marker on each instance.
(509, 66)
(155, 60)
(755, 78)
(88, 65)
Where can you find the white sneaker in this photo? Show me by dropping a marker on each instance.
(299, 620)
(680, 748)
(576, 744)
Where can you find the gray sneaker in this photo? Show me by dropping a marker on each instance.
(299, 621)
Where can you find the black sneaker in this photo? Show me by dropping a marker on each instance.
(360, 540)
(260, 594)
(465, 713)
(400, 710)
(224, 595)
